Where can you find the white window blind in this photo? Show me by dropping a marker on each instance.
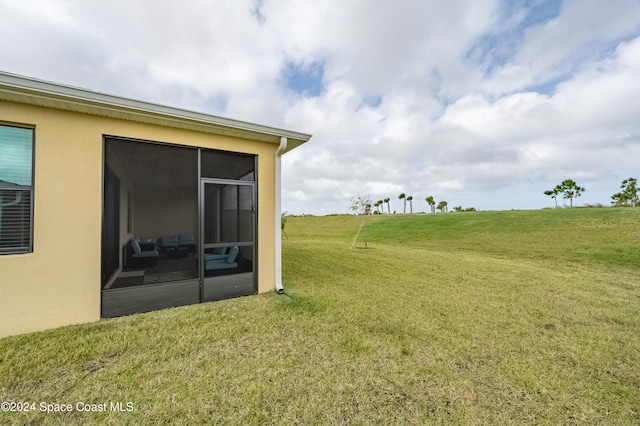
(16, 189)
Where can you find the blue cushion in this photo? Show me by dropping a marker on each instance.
(220, 265)
(186, 239)
(135, 244)
(220, 250)
(213, 256)
(170, 241)
(233, 253)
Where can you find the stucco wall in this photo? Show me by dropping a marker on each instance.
(59, 283)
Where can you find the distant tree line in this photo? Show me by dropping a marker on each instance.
(569, 189)
(362, 204)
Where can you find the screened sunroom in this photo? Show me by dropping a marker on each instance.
(174, 217)
(111, 206)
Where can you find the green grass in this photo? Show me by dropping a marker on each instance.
(520, 317)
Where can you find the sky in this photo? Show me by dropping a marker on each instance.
(482, 104)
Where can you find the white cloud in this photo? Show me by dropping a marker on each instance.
(575, 39)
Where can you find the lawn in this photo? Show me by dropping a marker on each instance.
(516, 317)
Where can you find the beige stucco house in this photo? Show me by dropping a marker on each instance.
(111, 206)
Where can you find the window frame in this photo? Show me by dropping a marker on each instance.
(30, 188)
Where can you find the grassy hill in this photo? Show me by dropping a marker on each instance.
(518, 317)
(514, 316)
(608, 236)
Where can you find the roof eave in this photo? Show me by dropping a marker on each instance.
(53, 95)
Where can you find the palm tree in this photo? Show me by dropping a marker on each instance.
(410, 200)
(628, 195)
(630, 190)
(378, 204)
(403, 198)
(432, 203)
(386, 200)
(442, 206)
(553, 193)
(570, 190)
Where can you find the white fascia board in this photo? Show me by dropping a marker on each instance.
(58, 93)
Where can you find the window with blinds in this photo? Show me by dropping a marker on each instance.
(16, 189)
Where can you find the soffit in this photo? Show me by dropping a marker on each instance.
(51, 95)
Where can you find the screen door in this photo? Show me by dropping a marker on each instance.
(227, 258)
